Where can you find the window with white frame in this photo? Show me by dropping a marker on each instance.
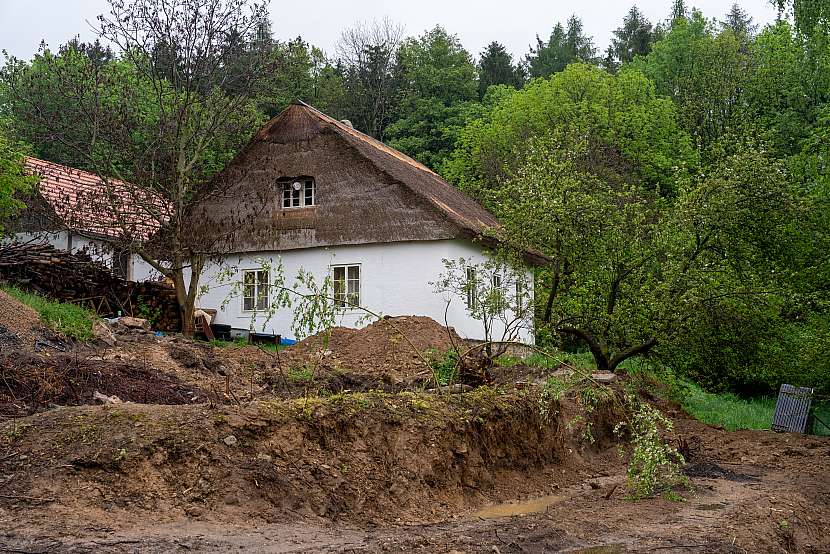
(298, 193)
(472, 298)
(346, 280)
(255, 289)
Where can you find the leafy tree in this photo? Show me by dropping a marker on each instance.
(438, 82)
(14, 181)
(632, 268)
(703, 73)
(621, 116)
(566, 44)
(496, 68)
(812, 17)
(633, 38)
(300, 71)
(789, 86)
(157, 119)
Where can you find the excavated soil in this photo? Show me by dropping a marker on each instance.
(371, 458)
(34, 382)
(391, 350)
(239, 449)
(478, 472)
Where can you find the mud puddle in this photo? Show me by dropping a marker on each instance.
(510, 509)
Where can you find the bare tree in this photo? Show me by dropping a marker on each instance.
(155, 123)
(368, 53)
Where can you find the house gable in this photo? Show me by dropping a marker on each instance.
(358, 199)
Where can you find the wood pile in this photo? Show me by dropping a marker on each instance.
(76, 278)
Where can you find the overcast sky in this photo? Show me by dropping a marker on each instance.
(514, 23)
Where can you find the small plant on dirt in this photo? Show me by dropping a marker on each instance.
(654, 466)
(145, 311)
(444, 366)
(495, 292)
(301, 375)
(590, 395)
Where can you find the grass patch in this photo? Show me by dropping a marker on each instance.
(733, 413)
(240, 342)
(444, 366)
(70, 320)
(300, 374)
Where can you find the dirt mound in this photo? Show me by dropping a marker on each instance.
(359, 457)
(33, 382)
(19, 324)
(391, 349)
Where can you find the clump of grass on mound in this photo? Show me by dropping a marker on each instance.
(70, 320)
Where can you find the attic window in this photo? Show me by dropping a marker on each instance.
(298, 193)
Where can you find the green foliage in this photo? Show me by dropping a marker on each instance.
(634, 38)
(437, 80)
(13, 180)
(72, 321)
(151, 313)
(654, 466)
(566, 45)
(301, 375)
(704, 73)
(444, 366)
(302, 73)
(496, 67)
(619, 118)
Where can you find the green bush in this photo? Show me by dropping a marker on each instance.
(751, 351)
(70, 320)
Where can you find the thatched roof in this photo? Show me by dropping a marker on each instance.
(369, 192)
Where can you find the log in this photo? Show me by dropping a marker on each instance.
(75, 277)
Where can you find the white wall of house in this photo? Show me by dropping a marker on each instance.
(394, 280)
(98, 250)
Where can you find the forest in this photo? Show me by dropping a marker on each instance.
(678, 179)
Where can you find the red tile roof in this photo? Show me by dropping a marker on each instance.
(85, 202)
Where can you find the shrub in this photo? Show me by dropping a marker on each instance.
(654, 466)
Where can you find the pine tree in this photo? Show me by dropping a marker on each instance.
(739, 21)
(566, 45)
(633, 38)
(496, 68)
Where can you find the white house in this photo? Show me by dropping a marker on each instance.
(307, 193)
(72, 210)
(312, 193)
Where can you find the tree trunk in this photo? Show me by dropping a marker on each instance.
(631, 352)
(186, 309)
(598, 350)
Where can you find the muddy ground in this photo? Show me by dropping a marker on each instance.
(377, 472)
(344, 446)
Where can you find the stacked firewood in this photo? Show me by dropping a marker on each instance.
(55, 273)
(77, 278)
